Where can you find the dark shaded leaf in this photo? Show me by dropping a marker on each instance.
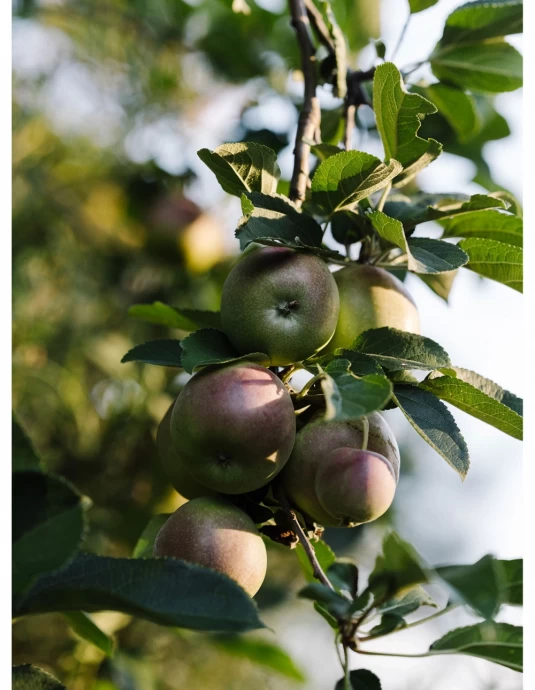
(23, 453)
(165, 353)
(28, 677)
(85, 628)
(361, 679)
(211, 346)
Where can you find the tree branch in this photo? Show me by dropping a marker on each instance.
(318, 26)
(317, 570)
(355, 97)
(310, 115)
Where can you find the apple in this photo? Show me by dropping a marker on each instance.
(212, 532)
(281, 302)
(233, 427)
(371, 297)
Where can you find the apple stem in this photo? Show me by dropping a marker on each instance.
(365, 432)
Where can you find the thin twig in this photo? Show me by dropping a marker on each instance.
(318, 26)
(296, 526)
(382, 199)
(347, 677)
(310, 115)
(349, 117)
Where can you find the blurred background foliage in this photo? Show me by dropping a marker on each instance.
(111, 207)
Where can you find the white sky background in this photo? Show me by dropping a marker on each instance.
(481, 329)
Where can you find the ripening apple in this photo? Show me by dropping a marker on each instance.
(355, 486)
(214, 533)
(371, 297)
(280, 302)
(233, 427)
(313, 444)
(173, 463)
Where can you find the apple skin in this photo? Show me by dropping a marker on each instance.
(371, 297)
(280, 302)
(313, 444)
(234, 427)
(215, 534)
(355, 486)
(173, 464)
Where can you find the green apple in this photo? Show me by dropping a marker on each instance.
(215, 534)
(355, 486)
(173, 464)
(280, 302)
(370, 297)
(233, 427)
(313, 444)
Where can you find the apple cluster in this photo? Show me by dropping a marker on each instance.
(232, 429)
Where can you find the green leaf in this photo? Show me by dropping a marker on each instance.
(85, 628)
(161, 314)
(498, 642)
(174, 317)
(348, 397)
(423, 255)
(348, 177)
(211, 346)
(276, 218)
(493, 67)
(344, 575)
(410, 171)
(512, 582)
(325, 555)
(165, 353)
(394, 349)
(262, 653)
(334, 603)
(23, 452)
(495, 260)
(165, 591)
(476, 403)
(361, 364)
(482, 19)
(457, 107)
(440, 283)
(407, 602)
(490, 224)
(398, 114)
(348, 227)
(48, 525)
(28, 677)
(361, 679)
(324, 151)
(484, 586)
(340, 50)
(243, 167)
(435, 424)
(486, 386)
(145, 543)
(380, 48)
(398, 567)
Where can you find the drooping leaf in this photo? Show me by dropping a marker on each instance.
(276, 218)
(145, 543)
(211, 346)
(490, 67)
(348, 397)
(476, 403)
(512, 582)
(344, 575)
(420, 5)
(23, 453)
(458, 107)
(361, 364)
(361, 679)
(491, 224)
(440, 283)
(396, 569)
(164, 590)
(334, 603)
(423, 255)
(501, 262)
(394, 349)
(88, 630)
(398, 114)
(174, 317)
(435, 424)
(243, 167)
(407, 602)
(498, 642)
(48, 525)
(260, 652)
(340, 51)
(346, 178)
(28, 677)
(165, 353)
(475, 21)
